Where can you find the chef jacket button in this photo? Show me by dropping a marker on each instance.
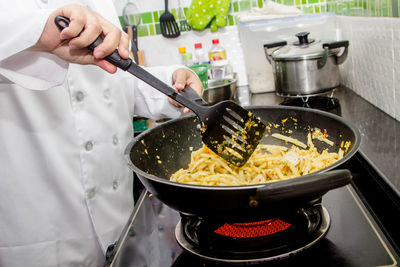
(44, 1)
(88, 145)
(107, 93)
(79, 96)
(115, 140)
(115, 185)
(91, 193)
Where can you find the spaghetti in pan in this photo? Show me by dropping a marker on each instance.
(269, 163)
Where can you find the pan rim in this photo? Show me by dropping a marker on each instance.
(348, 155)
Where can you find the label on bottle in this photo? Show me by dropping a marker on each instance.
(214, 56)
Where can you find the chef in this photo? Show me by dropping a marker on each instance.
(65, 189)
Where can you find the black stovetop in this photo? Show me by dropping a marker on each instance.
(359, 235)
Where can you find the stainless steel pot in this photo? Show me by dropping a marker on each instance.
(219, 90)
(307, 67)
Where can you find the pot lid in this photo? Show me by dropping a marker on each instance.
(303, 48)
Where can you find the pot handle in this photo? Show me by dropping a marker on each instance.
(276, 45)
(312, 186)
(332, 45)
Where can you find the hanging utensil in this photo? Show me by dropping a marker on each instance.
(228, 129)
(168, 25)
(130, 17)
(184, 26)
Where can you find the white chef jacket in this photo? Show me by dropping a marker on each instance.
(65, 188)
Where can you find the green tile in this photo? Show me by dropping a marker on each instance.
(151, 29)
(304, 2)
(244, 5)
(308, 10)
(230, 20)
(156, 16)
(122, 21)
(158, 29)
(143, 30)
(298, 2)
(331, 7)
(260, 3)
(230, 8)
(385, 12)
(235, 7)
(312, 1)
(174, 12)
(147, 17)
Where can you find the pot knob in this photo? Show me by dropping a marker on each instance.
(303, 39)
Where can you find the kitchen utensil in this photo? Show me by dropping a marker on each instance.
(183, 24)
(168, 25)
(227, 128)
(132, 19)
(220, 90)
(156, 154)
(306, 67)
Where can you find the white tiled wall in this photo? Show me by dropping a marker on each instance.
(372, 69)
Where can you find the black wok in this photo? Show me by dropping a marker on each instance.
(157, 153)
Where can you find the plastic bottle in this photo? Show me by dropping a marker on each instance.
(200, 57)
(217, 52)
(219, 63)
(186, 58)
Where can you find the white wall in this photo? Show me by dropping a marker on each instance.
(372, 68)
(159, 50)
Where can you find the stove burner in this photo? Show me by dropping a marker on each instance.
(328, 93)
(325, 103)
(253, 229)
(267, 240)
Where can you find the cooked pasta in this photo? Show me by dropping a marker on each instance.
(268, 163)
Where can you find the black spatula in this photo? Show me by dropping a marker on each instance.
(168, 25)
(228, 129)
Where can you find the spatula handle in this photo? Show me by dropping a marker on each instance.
(187, 97)
(114, 58)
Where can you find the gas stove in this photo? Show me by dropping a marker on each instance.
(344, 230)
(350, 226)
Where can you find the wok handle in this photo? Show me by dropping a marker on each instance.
(309, 185)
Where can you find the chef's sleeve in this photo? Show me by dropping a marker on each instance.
(21, 25)
(151, 103)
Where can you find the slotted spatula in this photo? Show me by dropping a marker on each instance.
(169, 27)
(228, 129)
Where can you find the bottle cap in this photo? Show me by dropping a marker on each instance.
(215, 41)
(182, 49)
(197, 45)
